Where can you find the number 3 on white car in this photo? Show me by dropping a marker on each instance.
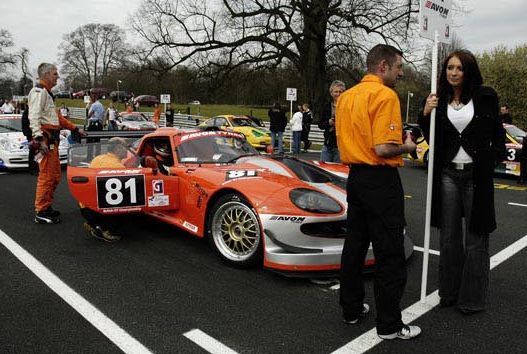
(120, 191)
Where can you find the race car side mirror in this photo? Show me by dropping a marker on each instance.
(149, 162)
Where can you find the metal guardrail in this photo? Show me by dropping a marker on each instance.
(316, 136)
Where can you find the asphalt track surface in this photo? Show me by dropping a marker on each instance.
(163, 291)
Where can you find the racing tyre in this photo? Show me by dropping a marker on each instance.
(234, 231)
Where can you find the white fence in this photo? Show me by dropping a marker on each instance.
(316, 136)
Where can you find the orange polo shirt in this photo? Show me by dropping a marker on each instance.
(368, 114)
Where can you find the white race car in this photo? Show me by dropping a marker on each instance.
(14, 145)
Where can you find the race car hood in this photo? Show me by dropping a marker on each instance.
(14, 141)
(276, 177)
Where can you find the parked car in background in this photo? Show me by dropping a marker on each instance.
(134, 121)
(146, 100)
(121, 96)
(99, 91)
(256, 135)
(62, 94)
(79, 94)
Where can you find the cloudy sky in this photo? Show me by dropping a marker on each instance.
(40, 24)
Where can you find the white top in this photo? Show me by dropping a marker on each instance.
(112, 113)
(296, 122)
(7, 107)
(460, 118)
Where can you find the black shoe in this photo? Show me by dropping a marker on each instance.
(53, 212)
(406, 332)
(308, 145)
(46, 217)
(365, 310)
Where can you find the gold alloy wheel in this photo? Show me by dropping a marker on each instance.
(236, 231)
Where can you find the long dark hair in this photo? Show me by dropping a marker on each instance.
(472, 79)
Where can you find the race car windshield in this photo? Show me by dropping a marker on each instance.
(10, 124)
(214, 149)
(133, 118)
(516, 132)
(243, 122)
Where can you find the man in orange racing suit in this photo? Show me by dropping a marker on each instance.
(46, 122)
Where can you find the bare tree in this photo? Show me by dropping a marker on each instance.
(91, 51)
(311, 35)
(22, 59)
(6, 42)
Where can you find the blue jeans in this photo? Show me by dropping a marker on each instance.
(464, 262)
(329, 154)
(278, 136)
(296, 141)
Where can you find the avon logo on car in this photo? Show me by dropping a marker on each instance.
(293, 219)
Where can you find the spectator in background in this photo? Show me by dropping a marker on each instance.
(157, 114)
(278, 122)
(95, 117)
(330, 151)
(307, 120)
(505, 114)
(26, 130)
(296, 129)
(7, 107)
(65, 111)
(169, 116)
(129, 108)
(111, 117)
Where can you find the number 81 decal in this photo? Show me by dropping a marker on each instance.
(120, 191)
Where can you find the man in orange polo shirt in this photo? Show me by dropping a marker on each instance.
(369, 138)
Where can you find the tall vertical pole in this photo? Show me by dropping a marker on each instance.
(431, 148)
(407, 105)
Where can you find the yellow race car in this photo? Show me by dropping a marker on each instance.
(256, 135)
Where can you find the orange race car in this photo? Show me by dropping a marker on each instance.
(281, 212)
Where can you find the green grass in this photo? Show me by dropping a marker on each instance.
(206, 110)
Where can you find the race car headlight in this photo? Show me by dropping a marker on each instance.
(313, 201)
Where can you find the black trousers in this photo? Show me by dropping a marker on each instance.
(94, 126)
(376, 215)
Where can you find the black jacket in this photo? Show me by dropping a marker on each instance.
(484, 140)
(277, 119)
(330, 135)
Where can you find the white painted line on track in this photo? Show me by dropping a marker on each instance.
(370, 339)
(208, 343)
(106, 326)
(421, 249)
(518, 204)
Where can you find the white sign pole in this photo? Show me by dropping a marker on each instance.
(291, 136)
(426, 245)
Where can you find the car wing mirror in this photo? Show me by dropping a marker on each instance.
(149, 162)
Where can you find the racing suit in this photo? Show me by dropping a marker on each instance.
(45, 122)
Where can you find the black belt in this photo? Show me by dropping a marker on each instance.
(459, 166)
